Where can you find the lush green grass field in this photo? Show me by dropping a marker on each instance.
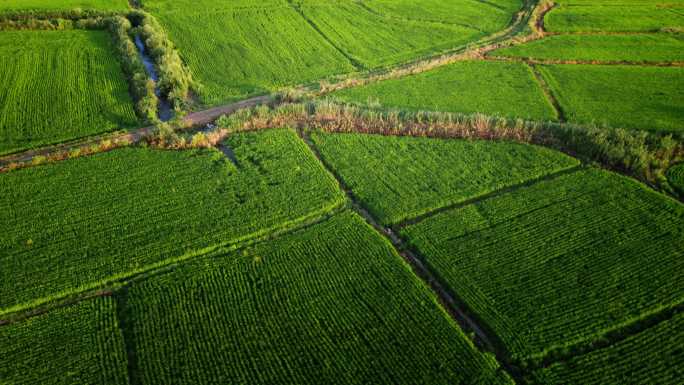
(59, 85)
(78, 344)
(53, 5)
(560, 261)
(237, 51)
(333, 304)
(649, 98)
(676, 177)
(632, 47)
(615, 16)
(71, 225)
(492, 88)
(373, 39)
(401, 177)
(654, 356)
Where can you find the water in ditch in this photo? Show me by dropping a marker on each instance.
(164, 110)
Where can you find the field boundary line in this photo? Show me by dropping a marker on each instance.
(533, 61)
(122, 318)
(548, 93)
(485, 341)
(487, 196)
(110, 285)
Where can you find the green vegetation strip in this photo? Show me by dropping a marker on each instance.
(79, 344)
(629, 48)
(615, 16)
(74, 225)
(63, 5)
(654, 356)
(555, 264)
(331, 304)
(675, 175)
(59, 85)
(646, 98)
(398, 178)
(492, 88)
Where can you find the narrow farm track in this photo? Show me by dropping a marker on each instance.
(532, 61)
(548, 93)
(454, 307)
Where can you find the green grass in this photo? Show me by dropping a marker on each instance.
(59, 85)
(72, 225)
(78, 344)
(492, 88)
(560, 261)
(633, 48)
(648, 98)
(654, 356)
(237, 51)
(331, 304)
(54, 5)
(616, 16)
(676, 177)
(376, 38)
(398, 178)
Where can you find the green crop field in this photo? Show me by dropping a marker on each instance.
(331, 304)
(75, 224)
(676, 177)
(616, 16)
(400, 178)
(79, 344)
(53, 5)
(624, 363)
(560, 261)
(647, 98)
(59, 85)
(493, 88)
(632, 47)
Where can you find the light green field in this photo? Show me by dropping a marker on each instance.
(238, 51)
(653, 356)
(56, 5)
(647, 98)
(616, 16)
(59, 85)
(72, 225)
(631, 47)
(560, 261)
(78, 344)
(492, 88)
(333, 304)
(398, 178)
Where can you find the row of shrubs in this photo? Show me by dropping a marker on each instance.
(643, 155)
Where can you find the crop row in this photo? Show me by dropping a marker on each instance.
(398, 178)
(654, 356)
(56, 86)
(331, 304)
(553, 264)
(71, 225)
(79, 344)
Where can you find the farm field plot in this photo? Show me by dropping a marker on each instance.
(78, 344)
(330, 304)
(562, 260)
(631, 47)
(616, 16)
(54, 5)
(59, 85)
(676, 177)
(398, 178)
(238, 50)
(373, 38)
(72, 225)
(624, 363)
(492, 88)
(647, 98)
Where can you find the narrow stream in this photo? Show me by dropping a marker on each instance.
(164, 110)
